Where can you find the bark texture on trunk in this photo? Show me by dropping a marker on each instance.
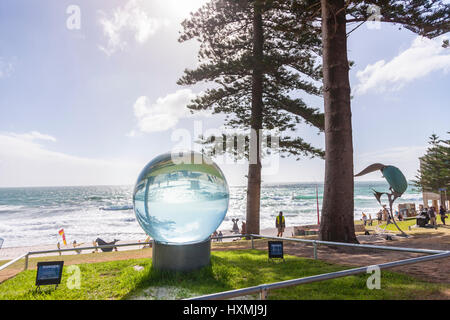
(254, 168)
(337, 222)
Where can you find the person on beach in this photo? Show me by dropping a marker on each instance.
(432, 215)
(385, 213)
(94, 244)
(280, 224)
(215, 235)
(220, 236)
(425, 218)
(76, 245)
(147, 240)
(235, 226)
(443, 212)
(364, 219)
(379, 216)
(370, 219)
(424, 212)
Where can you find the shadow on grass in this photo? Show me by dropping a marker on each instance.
(232, 270)
(211, 278)
(246, 268)
(228, 270)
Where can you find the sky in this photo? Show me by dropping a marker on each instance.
(88, 94)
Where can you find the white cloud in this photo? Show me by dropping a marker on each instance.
(33, 135)
(422, 58)
(6, 68)
(164, 113)
(132, 18)
(25, 162)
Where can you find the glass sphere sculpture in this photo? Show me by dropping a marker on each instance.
(180, 198)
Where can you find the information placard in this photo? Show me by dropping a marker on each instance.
(49, 272)
(276, 249)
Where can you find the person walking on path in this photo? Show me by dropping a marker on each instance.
(364, 218)
(235, 226)
(443, 212)
(385, 214)
(380, 216)
(280, 224)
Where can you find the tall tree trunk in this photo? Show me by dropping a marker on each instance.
(338, 204)
(254, 167)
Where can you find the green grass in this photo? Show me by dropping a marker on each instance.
(229, 270)
(404, 225)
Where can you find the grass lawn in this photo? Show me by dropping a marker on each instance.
(404, 225)
(375, 224)
(229, 270)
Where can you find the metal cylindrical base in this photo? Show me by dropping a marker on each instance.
(184, 257)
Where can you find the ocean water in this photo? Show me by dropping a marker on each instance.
(30, 216)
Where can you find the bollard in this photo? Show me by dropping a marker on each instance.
(315, 250)
(26, 262)
(253, 244)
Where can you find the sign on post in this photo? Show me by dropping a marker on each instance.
(276, 250)
(49, 273)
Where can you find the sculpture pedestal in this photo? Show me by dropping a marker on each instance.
(183, 257)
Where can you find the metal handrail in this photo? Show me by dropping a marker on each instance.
(252, 236)
(354, 245)
(89, 248)
(331, 243)
(264, 288)
(6, 265)
(30, 253)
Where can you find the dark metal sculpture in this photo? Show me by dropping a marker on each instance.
(397, 186)
(101, 243)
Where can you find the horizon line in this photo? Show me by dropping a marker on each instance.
(130, 185)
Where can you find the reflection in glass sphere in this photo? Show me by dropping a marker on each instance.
(180, 198)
